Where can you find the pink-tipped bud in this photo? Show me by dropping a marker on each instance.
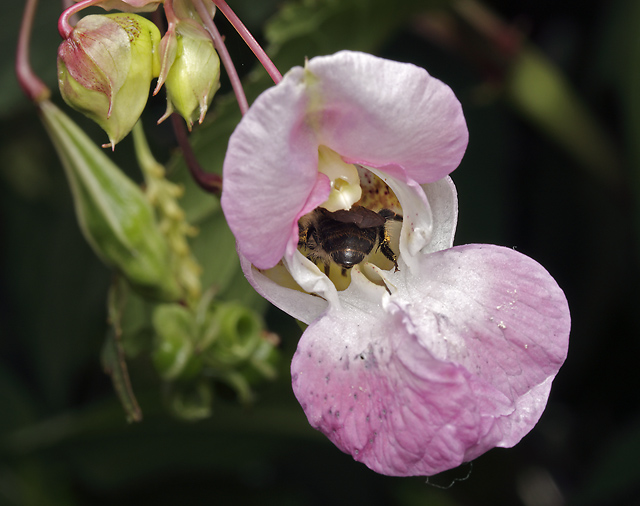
(105, 69)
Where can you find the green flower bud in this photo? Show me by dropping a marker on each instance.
(230, 334)
(114, 214)
(173, 356)
(105, 68)
(190, 70)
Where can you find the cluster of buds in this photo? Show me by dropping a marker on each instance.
(142, 235)
(105, 67)
(223, 342)
(107, 62)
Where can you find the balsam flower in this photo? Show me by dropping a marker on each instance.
(411, 371)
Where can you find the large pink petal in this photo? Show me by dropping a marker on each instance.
(379, 112)
(438, 372)
(270, 171)
(504, 317)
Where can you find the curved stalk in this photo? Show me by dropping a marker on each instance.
(218, 43)
(250, 40)
(32, 86)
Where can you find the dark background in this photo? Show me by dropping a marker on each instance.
(528, 181)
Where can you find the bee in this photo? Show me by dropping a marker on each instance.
(346, 237)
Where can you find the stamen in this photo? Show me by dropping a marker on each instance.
(345, 182)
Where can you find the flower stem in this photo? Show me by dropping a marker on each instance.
(249, 40)
(32, 86)
(209, 182)
(64, 26)
(218, 43)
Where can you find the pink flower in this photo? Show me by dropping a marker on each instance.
(411, 371)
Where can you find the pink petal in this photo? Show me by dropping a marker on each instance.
(384, 114)
(379, 112)
(270, 172)
(505, 318)
(448, 366)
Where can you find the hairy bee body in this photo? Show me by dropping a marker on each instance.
(346, 237)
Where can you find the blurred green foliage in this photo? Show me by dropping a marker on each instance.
(561, 186)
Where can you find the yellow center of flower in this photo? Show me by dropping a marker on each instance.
(345, 181)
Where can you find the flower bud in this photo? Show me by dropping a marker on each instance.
(174, 354)
(114, 214)
(192, 69)
(105, 68)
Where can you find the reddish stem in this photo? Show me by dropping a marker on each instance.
(225, 57)
(32, 86)
(64, 26)
(249, 39)
(209, 182)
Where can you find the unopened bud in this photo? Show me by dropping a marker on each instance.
(174, 354)
(192, 69)
(114, 214)
(105, 68)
